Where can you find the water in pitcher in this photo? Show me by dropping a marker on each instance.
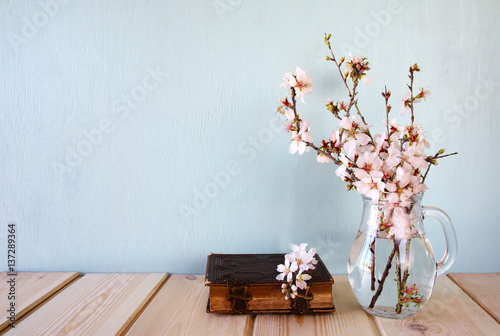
(377, 289)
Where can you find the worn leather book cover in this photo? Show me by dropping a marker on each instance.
(246, 283)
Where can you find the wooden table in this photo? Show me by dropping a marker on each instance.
(159, 304)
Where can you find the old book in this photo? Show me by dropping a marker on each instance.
(246, 283)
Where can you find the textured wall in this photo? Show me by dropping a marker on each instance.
(141, 135)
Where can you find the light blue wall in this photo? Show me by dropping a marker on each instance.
(175, 93)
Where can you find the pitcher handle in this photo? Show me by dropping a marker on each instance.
(449, 235)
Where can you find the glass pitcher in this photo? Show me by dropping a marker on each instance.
(391, 265)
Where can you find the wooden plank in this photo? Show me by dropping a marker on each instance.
(179, 308)
(96, 304)
(30, 290)
(482, 288)
(349, 318)
(449, 311)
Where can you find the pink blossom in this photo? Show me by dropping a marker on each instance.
(299, 139)
(353, 132)
(368, 165)
(323, 158)
(304, 259)
(402, 224)
(342, 169)
(393, 159)
(370, 187)
(356, 67)
(299, 81)
(380, 141)
(289, 125)
(413, 289)
(286, 270)
(394, 129)
(405, 104)
(301, 280)
(290, 115)
(423, 94)
(366, 80)
(334, 137)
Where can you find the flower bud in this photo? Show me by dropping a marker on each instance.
(441, 151)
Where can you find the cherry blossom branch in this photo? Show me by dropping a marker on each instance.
(352, 100)
(386, 94)
(432, 160)
(382, 280)
(321, 152)
(355, 104)
(294, 108)
(310, 144)
(411, 95)
(372, 266)
(344, 79)
(402, 282)
(413, 68)
(353, 93)
(407, 262)
(443, 156)
(398, 275)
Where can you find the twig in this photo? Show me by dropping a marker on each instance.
(411, 95)
(382, 281)
(437, 156)
(372, 267)
(352, 94)
(407, 262)
(387, 109)
(317, 149)
(294, 108)
(297, 123)
(443, 156)
(398, 277)
(344, 79)
(407, 250)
